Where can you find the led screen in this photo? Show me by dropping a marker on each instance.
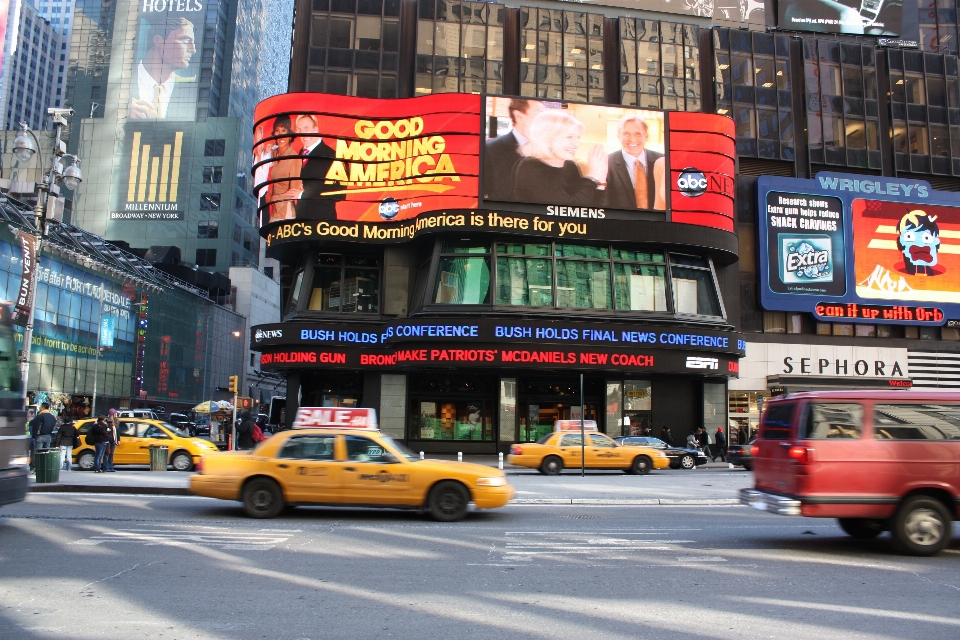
(860, 17)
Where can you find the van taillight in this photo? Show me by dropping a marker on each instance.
(802, 455)
(516, 450)
(754, 450)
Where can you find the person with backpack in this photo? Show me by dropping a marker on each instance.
(98, 438)
(245, 429)
(67, 439)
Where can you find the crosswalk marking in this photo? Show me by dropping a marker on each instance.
(220, 538)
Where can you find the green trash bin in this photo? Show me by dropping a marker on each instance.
(158, 457)
(47, 465)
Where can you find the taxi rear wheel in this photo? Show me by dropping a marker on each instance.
(182, 461)
(551, 466)
(448, 502)
(262, 498)
(641, 466)
(86, 460)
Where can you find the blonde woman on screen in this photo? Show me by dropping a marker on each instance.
(550, 174)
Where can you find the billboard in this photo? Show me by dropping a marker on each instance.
(323, 157)
(858, 17)
(859, 249)
(166, 72)
(149, 171)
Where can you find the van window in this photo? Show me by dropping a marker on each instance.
(833, 420)
(776, 421)
(916, 422)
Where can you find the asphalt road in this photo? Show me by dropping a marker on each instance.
(89, 566)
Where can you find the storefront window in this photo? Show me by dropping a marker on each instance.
(455, 421)
(463, 279)
(637, 407)
(348, 284)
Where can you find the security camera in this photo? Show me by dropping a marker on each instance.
(55, 112)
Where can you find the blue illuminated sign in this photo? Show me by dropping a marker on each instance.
(108, 329)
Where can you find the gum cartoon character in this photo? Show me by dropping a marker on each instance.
(919, 242)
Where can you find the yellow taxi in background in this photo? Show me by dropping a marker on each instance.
(346, 461)
(562, 449)
(136, 436)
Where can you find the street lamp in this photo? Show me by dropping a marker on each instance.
(25, 146)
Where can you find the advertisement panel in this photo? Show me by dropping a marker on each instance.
(149, 172)
(859, 249)
(164, 82)
(859, 17)
(321, 157)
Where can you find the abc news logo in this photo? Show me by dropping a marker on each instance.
(692, 182)
(260, 334)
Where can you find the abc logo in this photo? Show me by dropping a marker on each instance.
(258, 336)
(389, 208)
(692, 182)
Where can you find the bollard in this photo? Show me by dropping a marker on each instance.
(421, 455)
(459, 456)
(500, 463)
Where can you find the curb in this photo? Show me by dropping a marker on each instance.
(608, 502)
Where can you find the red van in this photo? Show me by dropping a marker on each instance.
(874, 460)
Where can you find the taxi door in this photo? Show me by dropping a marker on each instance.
(570, 450)
(370, 477)
(307, 467)
(603, 453)
(128, 448)
(138, 447)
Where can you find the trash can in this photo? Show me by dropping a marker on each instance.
(48, 465)
(158, 457)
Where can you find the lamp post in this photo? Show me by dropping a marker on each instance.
(25, 145)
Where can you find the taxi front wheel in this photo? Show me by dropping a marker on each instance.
(262, 498)
(641, 466)
(448, 502)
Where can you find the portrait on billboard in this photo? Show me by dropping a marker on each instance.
(320, 157)
(906, 251)
(166, 64)
(858, 17)
(582, 155)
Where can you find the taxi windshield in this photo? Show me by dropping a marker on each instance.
(400, 448)
(180, 432)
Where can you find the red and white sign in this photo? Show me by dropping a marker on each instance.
(335, 418)
(574, 425)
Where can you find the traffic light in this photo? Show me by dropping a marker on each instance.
(244, 403)
(234, 384)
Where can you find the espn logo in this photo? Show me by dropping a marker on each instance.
(696, 362)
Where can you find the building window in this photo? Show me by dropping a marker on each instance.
(561, 54)
(212, 175)
(452, 408)
(208, 229)
(659, 64)
(463, 276)
(214, 148)
(345, 284)
(459, 47)
(938, 25)
(206, 257)
(209, 202)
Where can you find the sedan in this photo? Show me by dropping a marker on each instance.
(741, 455)
(680, 457)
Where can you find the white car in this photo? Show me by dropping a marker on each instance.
(143, 414)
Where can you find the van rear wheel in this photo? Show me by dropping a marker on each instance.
(861, 528)
(922, 526)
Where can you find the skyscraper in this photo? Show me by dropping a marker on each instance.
(29, 80)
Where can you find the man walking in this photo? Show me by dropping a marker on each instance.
(42, 428)
(721, 442)
(245, 432)
(67, 440)
(98, 438)
(666, 436)
(703, 438)
(112, 439)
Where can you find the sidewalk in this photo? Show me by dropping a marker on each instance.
(714, 484)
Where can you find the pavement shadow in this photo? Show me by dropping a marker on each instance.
(351, 514)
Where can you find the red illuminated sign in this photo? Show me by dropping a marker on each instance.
(335, 417)
(879, 312)
(305, 357)
(706, 143)
(900, 383)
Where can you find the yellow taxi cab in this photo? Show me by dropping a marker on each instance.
(136, 436)
(562, 448)
(339, 457)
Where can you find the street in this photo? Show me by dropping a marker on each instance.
(109, 566)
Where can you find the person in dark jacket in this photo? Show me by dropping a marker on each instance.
(704, 439)
(67, 440)
(112, 439)
(666, 436)
(42, 427)
(720, 441)
(245, 432)
(98, 438)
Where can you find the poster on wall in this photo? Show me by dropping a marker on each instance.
(323, 157)
(853, 248)
(856, 17)
(149, 170)
(166, 70)
(574, 154)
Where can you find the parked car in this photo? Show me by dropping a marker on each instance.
(680, 457)
(140, 414)
(136, 436)
(182, 422)
(739, 455)
(875, 460)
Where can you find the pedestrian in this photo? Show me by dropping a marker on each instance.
(692, 441)
(67, 439)
(98, 438)
(703, 438)
(721, 442)
(42, 428)
(112, 440)
(666, 436)
(245, 432)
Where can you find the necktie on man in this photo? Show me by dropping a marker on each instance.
(305, 153)
(157, 102)
(640, 185)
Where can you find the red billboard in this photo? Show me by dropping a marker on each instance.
(702, 169)
(325, 157)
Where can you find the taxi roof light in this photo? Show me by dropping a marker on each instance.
(574, 425)
(336, 418)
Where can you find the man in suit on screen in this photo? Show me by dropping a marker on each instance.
(502, 154)
(314, 204)
(634, 179)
